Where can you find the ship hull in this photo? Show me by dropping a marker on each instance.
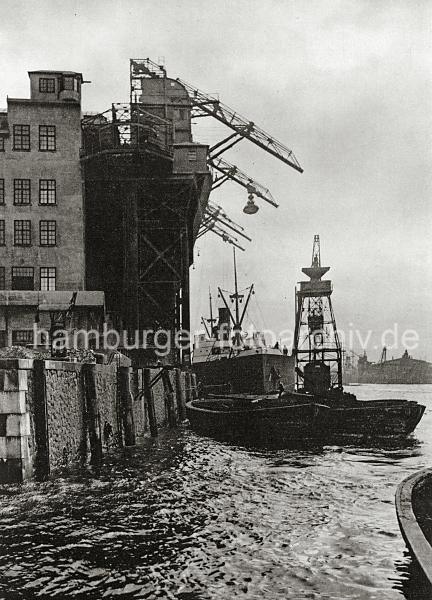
(251, 374)
(372, 418)
(376, 419)
(269, 423)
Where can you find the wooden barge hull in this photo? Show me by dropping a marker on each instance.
(251, 374)
(414, 513)
(270, 425)
(377, 418)
(370, 418)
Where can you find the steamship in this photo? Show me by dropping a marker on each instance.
(227, 360)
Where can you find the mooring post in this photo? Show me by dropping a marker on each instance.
(149, 401)
(91, 406)
(169, 395)
(181, 405)
(41, 458)
(127, 407)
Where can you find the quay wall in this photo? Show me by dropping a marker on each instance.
(56, 414)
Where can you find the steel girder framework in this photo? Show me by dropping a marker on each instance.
(206, 105)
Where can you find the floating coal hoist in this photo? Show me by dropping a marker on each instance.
(317, 347)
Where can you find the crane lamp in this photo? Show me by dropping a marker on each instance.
(251, 208)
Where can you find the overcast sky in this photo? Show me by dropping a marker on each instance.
(345, 84)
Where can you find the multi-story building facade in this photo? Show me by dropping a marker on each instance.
(105, 205)
(41, 205)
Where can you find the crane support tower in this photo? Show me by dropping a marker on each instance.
(317, 348)
(147, 185)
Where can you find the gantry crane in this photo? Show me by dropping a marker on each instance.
(203, 104)
(207, 105)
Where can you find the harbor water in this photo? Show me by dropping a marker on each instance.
(190, 518)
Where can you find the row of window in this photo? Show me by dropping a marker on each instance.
(21, 138)
(68, 82)
(20, 337)
(22, 191)
(23, 233)
(23, 278)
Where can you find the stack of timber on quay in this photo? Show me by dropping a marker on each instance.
(57, 414)
(414, 512)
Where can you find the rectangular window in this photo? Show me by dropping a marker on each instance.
(2, 191)
(2, 233)
(22, 233)
(192, 154)
(47, 233)
(48, 279)
(47, 85)
(47, 138)
(68, 83)
(2, 144)
(47, 191)
(22, 191)
(21, 138)
(22, 337)
(3, 342)
(22, 278)
(2, 278)
(71, 83)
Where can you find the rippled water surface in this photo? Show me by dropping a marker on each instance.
(190, 518)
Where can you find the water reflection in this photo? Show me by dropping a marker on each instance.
(194, 519)
(411, 581)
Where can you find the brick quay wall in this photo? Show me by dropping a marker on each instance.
(56, 414)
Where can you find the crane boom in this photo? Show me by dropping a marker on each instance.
(232, 172)
(217, 221)
(206, 104)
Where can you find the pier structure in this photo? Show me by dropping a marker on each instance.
(317, 348)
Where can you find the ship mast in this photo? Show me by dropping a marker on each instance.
(211, 320)
(237, 298)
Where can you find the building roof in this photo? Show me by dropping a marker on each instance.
(56, 73)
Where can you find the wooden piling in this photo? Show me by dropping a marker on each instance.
(149, 402)
(127, 407)
(41, 456)
(181, 405)
(169, 395)
(194, 386)
(188, 386)
(92, 412)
